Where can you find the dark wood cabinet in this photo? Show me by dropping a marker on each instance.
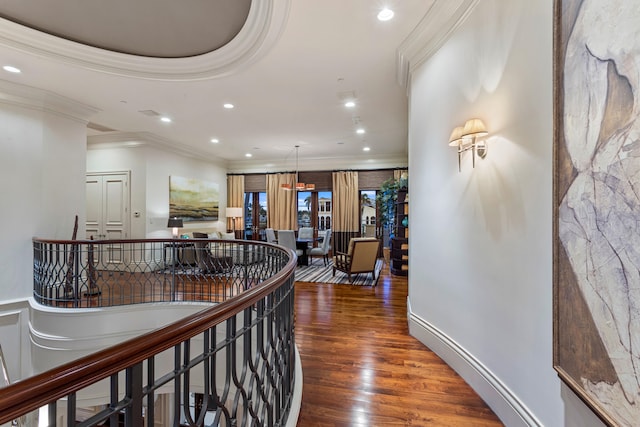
(400, 240)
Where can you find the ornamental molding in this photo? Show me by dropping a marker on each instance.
(264, 25)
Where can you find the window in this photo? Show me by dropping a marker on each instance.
(255, 218)
(314, 210)
(324, 210)
(368, 213)
(304, 209)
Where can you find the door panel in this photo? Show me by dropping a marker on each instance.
(108, 212)
(94, 206)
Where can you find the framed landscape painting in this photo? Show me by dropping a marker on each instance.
(193, 199)
(596, 203)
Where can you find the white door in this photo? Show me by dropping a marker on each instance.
(108, 211)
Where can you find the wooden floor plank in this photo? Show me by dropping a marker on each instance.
(362, 368)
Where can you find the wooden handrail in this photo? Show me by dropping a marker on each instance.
(37, 391)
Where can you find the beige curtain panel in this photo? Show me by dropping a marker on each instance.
(400, 173)
(281, 204)
(346, 203)
(235, 198)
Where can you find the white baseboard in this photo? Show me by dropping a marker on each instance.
(504, 403)
(296, 402)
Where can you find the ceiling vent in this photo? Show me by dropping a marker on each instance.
(347, 96)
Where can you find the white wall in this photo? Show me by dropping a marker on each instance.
(42, 140)
(150, 171)
(480, 285)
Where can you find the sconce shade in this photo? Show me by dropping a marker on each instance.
(474, 127)
(287, 187)
(174, 223)
(464, 138)
(456, 136)
(234, 212)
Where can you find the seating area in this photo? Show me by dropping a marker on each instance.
(360, 258)
(218, 258)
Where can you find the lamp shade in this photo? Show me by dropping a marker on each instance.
(175, 222)
(456, 136)
(234, 212)
(474, 127)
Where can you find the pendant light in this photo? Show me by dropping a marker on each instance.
(299, 186)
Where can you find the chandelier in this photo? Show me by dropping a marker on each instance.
(299, 186)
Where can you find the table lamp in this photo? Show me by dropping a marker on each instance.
(175, 223)
(234, 213)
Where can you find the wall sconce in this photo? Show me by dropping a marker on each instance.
(466, 138)
(174, 223)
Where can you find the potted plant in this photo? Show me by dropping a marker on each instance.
(386, 200)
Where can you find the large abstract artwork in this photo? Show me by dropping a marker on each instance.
(597, 204)
(193, 199)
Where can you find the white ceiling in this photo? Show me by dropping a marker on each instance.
(286, 72)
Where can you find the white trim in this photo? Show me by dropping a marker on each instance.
(264, 25)
(504, 403)
(440, 21)
(296, 401)
(361, 162)
(138, 139)
(45, 101)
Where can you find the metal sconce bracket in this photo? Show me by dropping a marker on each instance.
(465, 138)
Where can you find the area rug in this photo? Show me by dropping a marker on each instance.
(320, 273)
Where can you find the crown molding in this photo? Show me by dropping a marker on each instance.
(433, 30)
(113, 140)
(42, 100)
(146, 139)
(265, 22)
(319, 163)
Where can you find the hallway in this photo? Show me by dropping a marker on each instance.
(362, 368)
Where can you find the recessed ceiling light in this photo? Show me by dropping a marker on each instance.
(228, 106)
(165, 119)
(366, 149)
(215, 140)
(360, 131)
(248, 155)
(350, 104)
(385, 14)
(11, 69)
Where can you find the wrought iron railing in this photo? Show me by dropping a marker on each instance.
(230, 365)
(107, 273)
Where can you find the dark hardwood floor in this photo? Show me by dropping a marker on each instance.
(362, 368)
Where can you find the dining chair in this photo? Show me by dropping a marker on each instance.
(287, 238)
(305, 233)
(323, 249)
(271, 235)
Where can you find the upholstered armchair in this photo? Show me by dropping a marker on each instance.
(204, 258)
(360, 258)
